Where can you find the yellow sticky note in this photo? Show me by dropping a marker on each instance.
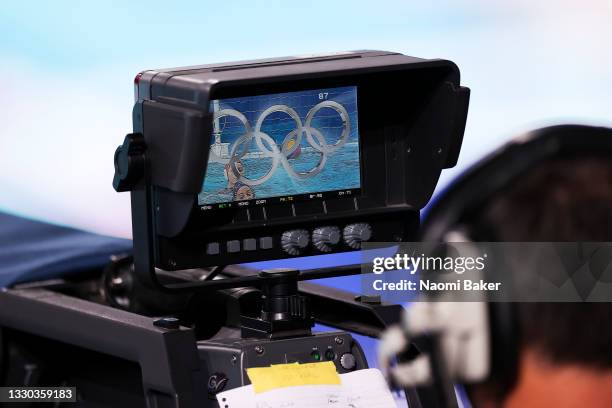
(290, 375)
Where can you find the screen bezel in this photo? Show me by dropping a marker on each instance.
(406, 124)
(316, 196)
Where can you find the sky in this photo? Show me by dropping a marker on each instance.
(67, 69)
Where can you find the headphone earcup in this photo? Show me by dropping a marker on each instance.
(456, 207)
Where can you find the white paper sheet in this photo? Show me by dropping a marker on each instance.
(359, 389)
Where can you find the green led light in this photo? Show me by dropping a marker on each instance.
(316, 355)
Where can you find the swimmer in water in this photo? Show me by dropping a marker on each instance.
(233, 170)
(240, 191)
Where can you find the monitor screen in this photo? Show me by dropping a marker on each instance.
(283, 147)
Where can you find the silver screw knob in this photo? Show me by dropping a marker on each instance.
(355, 234)
(348, 361)
(324, 238)
(295, 241)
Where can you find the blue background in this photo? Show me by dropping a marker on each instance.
(67, 69)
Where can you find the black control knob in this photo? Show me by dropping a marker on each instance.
(295, 241)
(348, 361)
(355, 234)
(324, 238)
(129, 162)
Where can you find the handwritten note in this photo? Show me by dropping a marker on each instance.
(359, 389)
(288, 375)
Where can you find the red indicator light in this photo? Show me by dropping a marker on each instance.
(137, 78)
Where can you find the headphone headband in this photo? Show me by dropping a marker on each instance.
(500, 168)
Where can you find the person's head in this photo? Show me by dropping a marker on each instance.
(244, 193)
(565, 348)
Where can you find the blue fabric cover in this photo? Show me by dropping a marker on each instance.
(32, 250)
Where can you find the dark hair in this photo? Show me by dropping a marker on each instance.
(560, 200)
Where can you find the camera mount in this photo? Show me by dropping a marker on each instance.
(284, 311)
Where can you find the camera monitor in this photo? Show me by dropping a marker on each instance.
(276, 148)
(278, 158)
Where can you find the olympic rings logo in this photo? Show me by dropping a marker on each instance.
(267, 146)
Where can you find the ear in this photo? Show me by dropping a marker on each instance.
(480, 396)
